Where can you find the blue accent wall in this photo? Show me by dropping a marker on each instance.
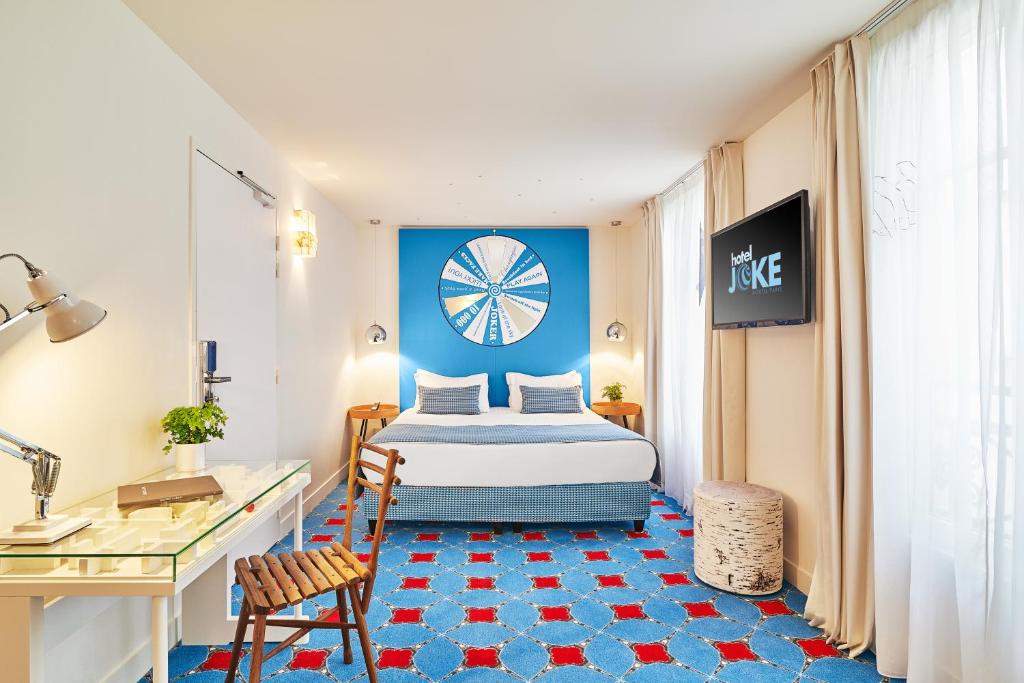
(426, 339)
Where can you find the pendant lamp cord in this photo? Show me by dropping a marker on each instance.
(617, 274)
(374, 266)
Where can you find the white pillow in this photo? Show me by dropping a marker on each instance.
(517, 379)
(429, 379)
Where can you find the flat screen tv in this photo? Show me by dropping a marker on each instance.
(760, 268)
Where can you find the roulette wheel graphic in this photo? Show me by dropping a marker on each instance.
(494, 290)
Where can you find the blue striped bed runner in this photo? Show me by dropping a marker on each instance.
(504, 434)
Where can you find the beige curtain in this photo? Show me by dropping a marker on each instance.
(725, 351)
(841, 599)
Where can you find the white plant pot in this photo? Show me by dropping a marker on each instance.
(189, 457)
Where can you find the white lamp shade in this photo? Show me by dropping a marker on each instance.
(67, 318)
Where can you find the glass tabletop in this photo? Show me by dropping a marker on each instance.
(156, 540)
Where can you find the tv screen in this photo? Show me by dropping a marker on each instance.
(760, 268)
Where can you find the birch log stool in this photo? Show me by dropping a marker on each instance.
(737, 540)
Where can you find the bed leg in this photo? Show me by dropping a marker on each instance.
(517, 527)
(372, 524)
(638, 525)
(497, 527)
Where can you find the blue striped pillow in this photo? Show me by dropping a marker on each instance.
(449, 400)
(551, 399)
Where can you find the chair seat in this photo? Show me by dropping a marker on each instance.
(273, 582)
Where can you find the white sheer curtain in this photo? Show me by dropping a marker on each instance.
(675, 335)
(946, 252)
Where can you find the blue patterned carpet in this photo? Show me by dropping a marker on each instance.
(556, 603)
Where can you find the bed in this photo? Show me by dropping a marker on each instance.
(503, 466)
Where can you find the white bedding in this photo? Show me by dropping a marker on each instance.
(434, 464)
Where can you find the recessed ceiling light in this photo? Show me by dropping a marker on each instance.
(374, 221)
(616, 224)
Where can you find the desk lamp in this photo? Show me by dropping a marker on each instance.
(67, 317)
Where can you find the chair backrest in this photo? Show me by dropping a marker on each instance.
(356, 466)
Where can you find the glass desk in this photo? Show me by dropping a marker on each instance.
(157, 551)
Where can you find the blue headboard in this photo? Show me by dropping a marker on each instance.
(450, 324)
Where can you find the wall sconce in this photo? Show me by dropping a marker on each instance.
(303, 229)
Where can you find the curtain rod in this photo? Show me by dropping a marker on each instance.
(887, 13)
(682, 179)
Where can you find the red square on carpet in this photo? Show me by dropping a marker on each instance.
(679, 579)
(534, 536)
(596, 555)
(657, 503)
(481, 583)
(321, 538)
(395, 659)
(428, 537)
(555, 614)
(637, 534)
(407, 616)
(611, 580)
(735, 651)
(671, 516)
(818, 647)
(415, 583)
(481, 615)
(481, 557)
(336, 521)
(629, 612)
(656, 554)
(344, 506)
(652, 653)
(482, 656)
(538, 557)
(363, 557)
(569, 655)
(772, 608)
(685, 533)
(481, 536)
(217, 661)
(700, 609)
(585, 535)
(422, 557)
(545, 582)
(309, 659)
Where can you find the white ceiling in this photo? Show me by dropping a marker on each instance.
(532, 112)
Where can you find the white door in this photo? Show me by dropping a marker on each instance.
(235, 304)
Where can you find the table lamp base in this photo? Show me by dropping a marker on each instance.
(43, 531)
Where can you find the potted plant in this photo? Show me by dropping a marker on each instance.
(188, 430)
(613, 392)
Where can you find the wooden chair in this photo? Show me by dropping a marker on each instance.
(273, 582)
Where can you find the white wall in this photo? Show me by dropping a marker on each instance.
(95, 151)
(377, 370)
(781, 450)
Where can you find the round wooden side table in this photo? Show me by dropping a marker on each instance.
(612, 409)
(384, 412)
